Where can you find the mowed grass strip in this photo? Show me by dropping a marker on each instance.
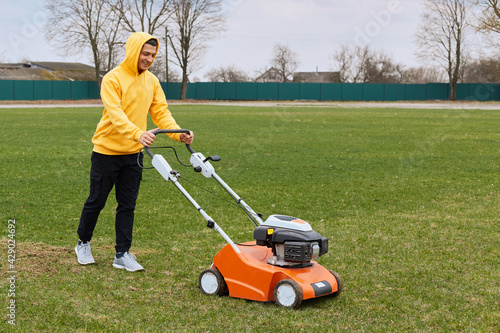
(408, 198)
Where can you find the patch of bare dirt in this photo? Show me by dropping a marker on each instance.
(34, 259)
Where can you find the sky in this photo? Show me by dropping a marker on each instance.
(313, 29)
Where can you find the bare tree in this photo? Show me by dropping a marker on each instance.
(441, 36)
(423, 75)
(381, 68)
(143, 15)
(76, 26)
(489, 20)
(150, 16)
(486, 70)
(111, 39)
(362, 64)
(361, 55)
(227, 74)
(284, 60)
(195, 22)
(344, 59)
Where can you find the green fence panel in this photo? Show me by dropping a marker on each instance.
(310, 91)
(288, 91)
(164, 87)
(477, 92)
(331, 91)
(495, 92)
(79, 90)
(246, 91)
(6, 90)
(42, 90)
(416, 92)
(94, 91)
(480, 92)
(172, 90)
(439, 91)
(205, 90)
(373, 92)
(463, 92)
(352, 92)
(268, 91)
(395, 92)
(225, 90)
(61, 90)
(23, 90)
(191, 91)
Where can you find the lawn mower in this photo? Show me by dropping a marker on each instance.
(276, 266)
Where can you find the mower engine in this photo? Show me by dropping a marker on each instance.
(293, 242)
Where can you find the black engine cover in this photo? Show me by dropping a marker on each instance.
(264, 237)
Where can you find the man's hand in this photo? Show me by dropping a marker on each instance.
(187, 138)
(147, 138)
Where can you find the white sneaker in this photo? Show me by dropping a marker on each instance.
(128, 262)
(83, 253)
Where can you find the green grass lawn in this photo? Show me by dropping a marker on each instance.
(409, 200)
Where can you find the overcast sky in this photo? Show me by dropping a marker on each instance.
(314, 29)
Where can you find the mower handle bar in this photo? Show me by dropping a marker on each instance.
(159, 131)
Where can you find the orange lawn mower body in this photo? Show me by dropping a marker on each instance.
(277, 266)
(248, 275)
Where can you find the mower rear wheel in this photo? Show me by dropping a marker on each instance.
(288, 294)
(339, 283)
(211, 282)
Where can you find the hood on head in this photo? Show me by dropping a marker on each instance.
(133, 49)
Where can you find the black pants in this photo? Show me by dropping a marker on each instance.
(107, 171)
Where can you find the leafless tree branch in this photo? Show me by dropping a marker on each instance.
(442, 34)
(195, 22)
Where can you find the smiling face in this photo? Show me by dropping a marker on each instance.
(146, 57)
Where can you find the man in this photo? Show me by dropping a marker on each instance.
(129, 92)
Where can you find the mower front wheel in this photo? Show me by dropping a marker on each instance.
(211, 282)
(339, 283)
(288, 294)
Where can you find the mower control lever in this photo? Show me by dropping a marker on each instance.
(212, 158)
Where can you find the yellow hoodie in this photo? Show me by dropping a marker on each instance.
(128, 96)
